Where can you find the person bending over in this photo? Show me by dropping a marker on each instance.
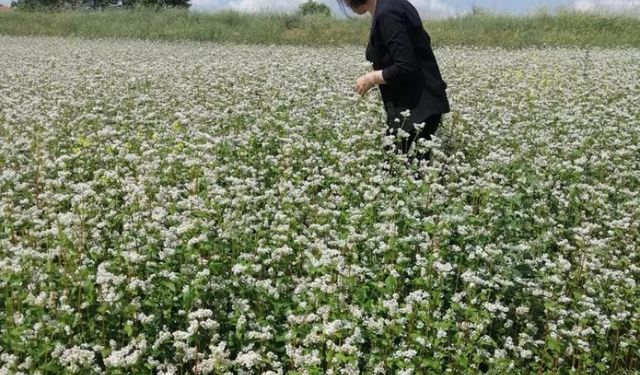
(404, 68)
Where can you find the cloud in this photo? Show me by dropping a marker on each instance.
(433, 8)
(429, 8)
(208, 4)
(261, 5)
(610, 5)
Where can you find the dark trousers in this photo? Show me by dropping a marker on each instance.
(402, 145)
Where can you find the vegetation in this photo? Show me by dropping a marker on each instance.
(50, 5)
(477, 29)
(313, 8)
(196, 208)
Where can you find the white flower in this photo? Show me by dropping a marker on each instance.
(403, 134)
(76, 358)
(248, 360)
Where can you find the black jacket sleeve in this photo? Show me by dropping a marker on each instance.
(396, 40)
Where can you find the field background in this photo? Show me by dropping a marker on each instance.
(195, 207)
(204, 193)
(481, 29)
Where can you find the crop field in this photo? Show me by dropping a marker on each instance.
(191, 207)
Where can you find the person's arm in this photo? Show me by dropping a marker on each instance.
(405, 67)
(395, 36)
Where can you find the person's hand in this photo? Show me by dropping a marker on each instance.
(364, 83)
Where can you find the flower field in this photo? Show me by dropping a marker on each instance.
(184, 207)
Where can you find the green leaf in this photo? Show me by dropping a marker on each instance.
(390, 284)
(431, 363)
(281, 338)
(128, 329)
(169, 285)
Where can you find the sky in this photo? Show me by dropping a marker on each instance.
(434, 8)
(429, 8)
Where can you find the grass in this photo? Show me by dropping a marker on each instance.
(480, 29)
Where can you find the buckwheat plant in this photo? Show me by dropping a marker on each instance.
(174, 208)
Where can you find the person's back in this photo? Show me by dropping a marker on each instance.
(418, 86)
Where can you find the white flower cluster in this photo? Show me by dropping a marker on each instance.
(225, 209)
(76, 358)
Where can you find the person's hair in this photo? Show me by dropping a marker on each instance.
(344, 4)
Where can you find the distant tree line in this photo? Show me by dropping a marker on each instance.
(97, 4)
(313, 8)
(308, 8)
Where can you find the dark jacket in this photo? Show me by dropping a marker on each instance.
(400, 46)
